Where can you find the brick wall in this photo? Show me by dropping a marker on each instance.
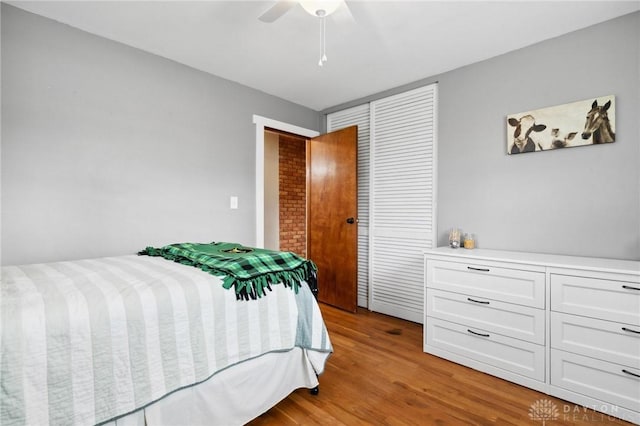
(293, 194)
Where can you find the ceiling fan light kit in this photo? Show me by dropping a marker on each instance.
(320, 8)
(316, 8)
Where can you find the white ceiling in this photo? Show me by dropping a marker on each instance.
(391, 43)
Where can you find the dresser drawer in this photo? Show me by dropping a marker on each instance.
(517, 356)
(595, 297)
(504, 284)
(520, 322)
(598, 379)
(606, 340)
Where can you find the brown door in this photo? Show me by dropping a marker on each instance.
(332, 208)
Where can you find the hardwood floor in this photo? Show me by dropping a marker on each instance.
(378, 375)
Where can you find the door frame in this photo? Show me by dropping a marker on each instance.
(262, 123)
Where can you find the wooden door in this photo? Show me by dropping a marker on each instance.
(332, 215)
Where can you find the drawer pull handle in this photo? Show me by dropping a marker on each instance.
(631, 373)
(484, 270)
(630, 330)
(482, 335)
(484, 302)
(628, 287)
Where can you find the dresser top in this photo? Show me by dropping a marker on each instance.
(541, 259)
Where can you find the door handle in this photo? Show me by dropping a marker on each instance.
(351, 221)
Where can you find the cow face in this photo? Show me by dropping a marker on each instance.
(523, 128)
(560, 139)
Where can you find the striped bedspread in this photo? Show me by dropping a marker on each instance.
(83, 342)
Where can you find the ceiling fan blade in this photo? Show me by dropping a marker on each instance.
(343, 14)
(277, 10)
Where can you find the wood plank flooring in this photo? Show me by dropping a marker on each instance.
(378, 375)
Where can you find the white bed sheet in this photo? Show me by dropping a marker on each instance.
(236, 395)
(56, 371)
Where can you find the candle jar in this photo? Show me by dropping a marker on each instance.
(454, 238)
(469, 241)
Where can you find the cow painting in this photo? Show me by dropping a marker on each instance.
(587, 122)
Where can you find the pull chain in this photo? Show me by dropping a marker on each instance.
(323, 37)
(321, 42)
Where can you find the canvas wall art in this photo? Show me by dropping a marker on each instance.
(587, 122)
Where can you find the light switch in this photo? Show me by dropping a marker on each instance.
(234, 202)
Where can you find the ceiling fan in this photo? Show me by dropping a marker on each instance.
(317, 8)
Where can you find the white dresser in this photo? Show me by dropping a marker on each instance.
(563, 325)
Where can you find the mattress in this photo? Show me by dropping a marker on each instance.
(90, 341)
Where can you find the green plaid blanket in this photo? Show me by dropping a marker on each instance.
(251, 271)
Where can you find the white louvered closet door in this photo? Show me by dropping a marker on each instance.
(335, 121)
(402, 219)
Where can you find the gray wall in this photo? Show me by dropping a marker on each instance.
(579, 201)
(107, 149)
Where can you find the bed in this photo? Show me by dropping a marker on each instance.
(135, 340)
